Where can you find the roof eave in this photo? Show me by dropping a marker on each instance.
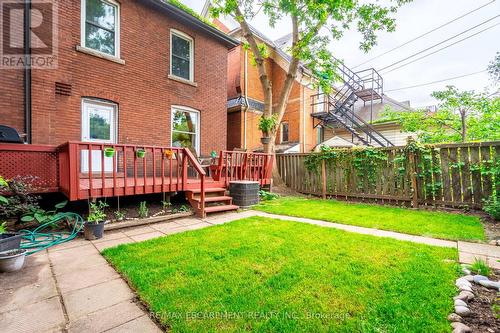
(189, 19)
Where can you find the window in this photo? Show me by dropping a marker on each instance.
(181, 55)
(100, 26)
(284, 132)
(186, 128)
(319, 135)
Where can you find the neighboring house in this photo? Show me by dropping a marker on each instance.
(371, 113)
(130, 72)
(245, 103)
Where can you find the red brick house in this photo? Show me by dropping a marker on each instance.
(140, 87)
(128, 72)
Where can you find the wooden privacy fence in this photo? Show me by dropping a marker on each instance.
(453, 175)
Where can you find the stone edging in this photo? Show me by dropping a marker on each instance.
(149, 220)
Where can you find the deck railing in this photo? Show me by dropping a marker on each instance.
(238, 165)
(87, 172)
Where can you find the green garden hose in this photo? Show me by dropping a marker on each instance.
(40, 238)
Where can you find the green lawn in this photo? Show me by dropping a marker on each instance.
(414, 222)
(266, 275)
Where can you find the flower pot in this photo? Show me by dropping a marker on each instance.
(10, 241)
(265, 140)
(93, 231)
(140, 153)
(109, 152)
(12, 260)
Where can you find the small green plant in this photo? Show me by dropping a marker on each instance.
(492, 207)
(267, 124)
(479, 266)
(496, 307)
(143, 210)
(3, 228)
(3, 183)
(181, 209)
(266, 196)
(166, 205)
(119, 215)
(42, 215)
(97, 214)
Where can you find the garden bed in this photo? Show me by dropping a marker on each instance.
(114, 225)
(260, 274)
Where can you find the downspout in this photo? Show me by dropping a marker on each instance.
(245, 80)
(27, 71)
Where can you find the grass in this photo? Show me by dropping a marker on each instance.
(414, 222)
(479, 266)
(266, 275)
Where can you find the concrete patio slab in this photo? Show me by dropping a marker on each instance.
(186, 221)
(110, 235)
(101, 246)
(107, 319)
(82, 302)
(149, 235)
(166, 227)
(85, 278)
(141, 324)
(137, 231)
(43, 316)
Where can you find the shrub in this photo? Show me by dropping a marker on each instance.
(492, 207)
(143, 210)
(97, 214)
(479, 266)
(267, 124)
(3, 228)
(20, 201)
(266, 196)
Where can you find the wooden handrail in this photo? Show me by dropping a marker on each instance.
(194, 162)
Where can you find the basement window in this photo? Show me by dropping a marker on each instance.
(181, 56)
(100, 26)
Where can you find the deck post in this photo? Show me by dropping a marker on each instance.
(184, 169)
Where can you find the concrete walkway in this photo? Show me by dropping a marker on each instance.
(72, 288)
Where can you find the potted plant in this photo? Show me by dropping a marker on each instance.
(8, 240)
(94, 226)
(109, 152)
(266, 125)
(140, 153)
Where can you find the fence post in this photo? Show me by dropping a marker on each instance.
(323, 178)
(414, 183)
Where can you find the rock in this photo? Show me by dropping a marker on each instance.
(459, 302)
(462, 282)
(464, 296)
(495, 242)
(460, 328)
(462, 311)
(453, 317)
(465, 288)
(478, 278)
(466, 271)
(490, 284)
(469, 278)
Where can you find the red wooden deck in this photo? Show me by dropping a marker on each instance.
(162, 169)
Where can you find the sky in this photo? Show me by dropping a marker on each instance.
(414, 19)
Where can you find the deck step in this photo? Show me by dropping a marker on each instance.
(225, 208)
(208, 190)
(215, 199)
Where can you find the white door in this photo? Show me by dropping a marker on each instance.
(98, 125)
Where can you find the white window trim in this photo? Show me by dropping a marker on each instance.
(85, 123)
(281, 132)
(117, 28)
(182, 35)
(198, 125)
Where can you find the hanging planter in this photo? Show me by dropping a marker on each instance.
(265, 140)
(141, 153)
(109, 152)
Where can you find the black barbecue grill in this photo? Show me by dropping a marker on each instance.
(9, 135)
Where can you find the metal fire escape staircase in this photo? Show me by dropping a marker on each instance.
(337, 109)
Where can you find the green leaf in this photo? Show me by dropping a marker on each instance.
(3, 200)
(61, 204)
(27, 218)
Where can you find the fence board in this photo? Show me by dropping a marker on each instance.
(486, 177)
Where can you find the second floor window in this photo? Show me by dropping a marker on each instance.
(100, 26)
(284, 132)
(181, 55)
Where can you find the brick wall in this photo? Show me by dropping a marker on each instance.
(140, 87)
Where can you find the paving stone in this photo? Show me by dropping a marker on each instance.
(141, 324)
(138, 230)
(82, 302)
(110, 235)
(166, 226)
(76, 262)
(84, 278)
(39, 258)
(32, 285)
(479, 249)
(187, 221)
(46, 315)
(108, 318)
(76, 242)
(469, 258)
(112, 243)
(200, 225)
(149, 235)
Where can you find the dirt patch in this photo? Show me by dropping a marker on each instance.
(485, 308)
